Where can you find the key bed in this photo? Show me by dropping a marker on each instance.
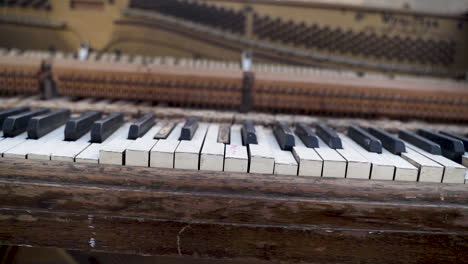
(195, 145)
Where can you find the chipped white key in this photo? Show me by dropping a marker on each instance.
(285, 163)
(91, 153)
(138, 152)
(358, 166)
(453, 172)
(261, 158)
(334, 165)
(236, 158)
(212, 154)
(22, 150)
(187, 154)
(162, 154)
(9, 143)
(71, 149)
(429, 170)
(310, 163)
(382, 169)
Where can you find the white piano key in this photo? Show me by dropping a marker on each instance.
(22, 150)
(71, 149)
(236, 158)
(285, 163)
(404, 171)
(465, 159)
(310, 163)
(8, 143)
(212, 154)
(162, 154)
(112, 153)
(91, 153)
(261, 158)
(358, 166)
(429, 171)
(45, 151)
(382, 169)
(187, 154)
(138, 152)
(334, 165)
(452, 173)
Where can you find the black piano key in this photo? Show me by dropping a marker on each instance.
(105, 127)
(41, 125)
(328, 135)
(308, 137)
(364, 139)
(445, 142)
(284, 136)
(141, 126)
(189, 129)
(451, 148)
(10, 112)
(420, 142)
(249, 135)
(17, 124)
(77, 127)
(389, 141)
(454, 136)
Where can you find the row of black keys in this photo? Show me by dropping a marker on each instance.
(41, 121)
(373, 139)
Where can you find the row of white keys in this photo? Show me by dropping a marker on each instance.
(71, 149)
(358, 167)
(452, 171)
(382, 169)
(334, 165)
(310, 163)
(261, 158)
(285, 163)
(187, 153)
(212, 154)
(236, 157)
(138, 152)
(162, 154)
(8, 143)
(22, 150)
(429, 171)
(91, 153)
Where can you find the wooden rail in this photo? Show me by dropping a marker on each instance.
(228, 215)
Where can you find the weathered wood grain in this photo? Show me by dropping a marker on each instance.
(232, 183)
(198, 239)
(230, 215)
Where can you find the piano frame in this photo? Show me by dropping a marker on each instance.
(149, 211)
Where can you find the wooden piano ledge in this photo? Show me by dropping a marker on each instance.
(151, 211)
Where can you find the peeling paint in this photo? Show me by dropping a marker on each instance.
(92, 242)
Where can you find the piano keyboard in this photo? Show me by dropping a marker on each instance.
(361, 153)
